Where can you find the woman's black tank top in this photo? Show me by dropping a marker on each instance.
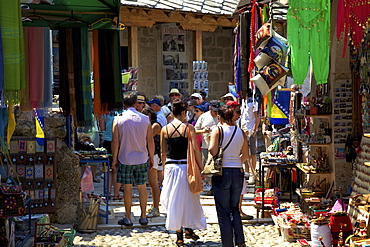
(177, 146)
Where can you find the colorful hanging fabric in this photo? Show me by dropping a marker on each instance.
(245, 19)
(48, 71)
(308, 23)
(3, 123)
(109, 70)
(352, 19)
(2, 103)
(13, 50)
(36, 65)
(40, 129)
(280, 108)
(86, 81)
(237, 63)
(95, 51)
(11, 123)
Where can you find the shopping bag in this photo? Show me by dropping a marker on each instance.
(87, 183)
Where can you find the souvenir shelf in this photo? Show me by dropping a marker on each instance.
(35, 167)
(361, 182)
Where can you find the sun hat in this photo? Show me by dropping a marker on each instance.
(140, 99)
(229, 95)
(196, 95)
(174, 90)
(155, 101)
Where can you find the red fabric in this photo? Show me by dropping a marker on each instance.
(352, 18)
(233, 104)
(36, 65)
(294, 175)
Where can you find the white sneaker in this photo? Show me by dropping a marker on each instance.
(251, 180)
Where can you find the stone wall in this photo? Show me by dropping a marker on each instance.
(218, 52)
(68, 176)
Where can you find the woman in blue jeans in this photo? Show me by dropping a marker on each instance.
(227, 188)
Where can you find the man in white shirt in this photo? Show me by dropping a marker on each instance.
(132, 150)
(250, 121)
(204, 125)
(156, 105)
(167, 109)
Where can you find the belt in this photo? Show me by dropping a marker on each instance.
(176, 162)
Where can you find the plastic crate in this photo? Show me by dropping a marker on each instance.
(293, 233)
(69, 236)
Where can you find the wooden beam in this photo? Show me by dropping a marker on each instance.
(198, 45)
(134, 46)
(190, 21)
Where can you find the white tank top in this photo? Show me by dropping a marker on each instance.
(231, 158)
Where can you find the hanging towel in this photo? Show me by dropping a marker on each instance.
(64, 101)
(97, 101)
(13, 49)
(25, 93)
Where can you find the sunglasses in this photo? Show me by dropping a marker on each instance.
(194, 98)
(141, 103)
(239, 112)
(174, 95)
(196, 110)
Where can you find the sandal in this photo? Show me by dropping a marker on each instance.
(189, 234)
(180, 238)
(117, 198)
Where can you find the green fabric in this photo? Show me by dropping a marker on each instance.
(265, 11)
(87, 11)
(13, 50)
(86, 83)
(308, 23)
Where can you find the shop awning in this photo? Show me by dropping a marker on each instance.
(95, 14)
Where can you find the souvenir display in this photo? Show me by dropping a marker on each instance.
(36, 172)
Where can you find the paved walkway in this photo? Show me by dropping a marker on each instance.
(258, 232)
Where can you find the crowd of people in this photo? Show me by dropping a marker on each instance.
(148, 141)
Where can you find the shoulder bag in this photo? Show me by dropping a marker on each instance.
(213, 166)
(193, 170)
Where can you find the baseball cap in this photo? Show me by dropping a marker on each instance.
(196, 95)
(140, 99)
(233, 104)
(203, 108)
(155, 101)
(214, 104)
(229, 95)
(192, 103)
(174, 90)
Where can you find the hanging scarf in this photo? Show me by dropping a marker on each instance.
(245, 19)
(48, 71)
(3, 123)
(36, 65)
(95, 51)
(2, 103)
(13, 49)
(64, 99)
(237, 63)
(86, 82)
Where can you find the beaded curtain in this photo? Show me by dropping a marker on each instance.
(308, 23)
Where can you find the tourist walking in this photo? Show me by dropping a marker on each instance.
(132, 149)
(227, 187)
(183, 207)
(153, 172)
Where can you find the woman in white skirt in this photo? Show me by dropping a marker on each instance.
(183, 207)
